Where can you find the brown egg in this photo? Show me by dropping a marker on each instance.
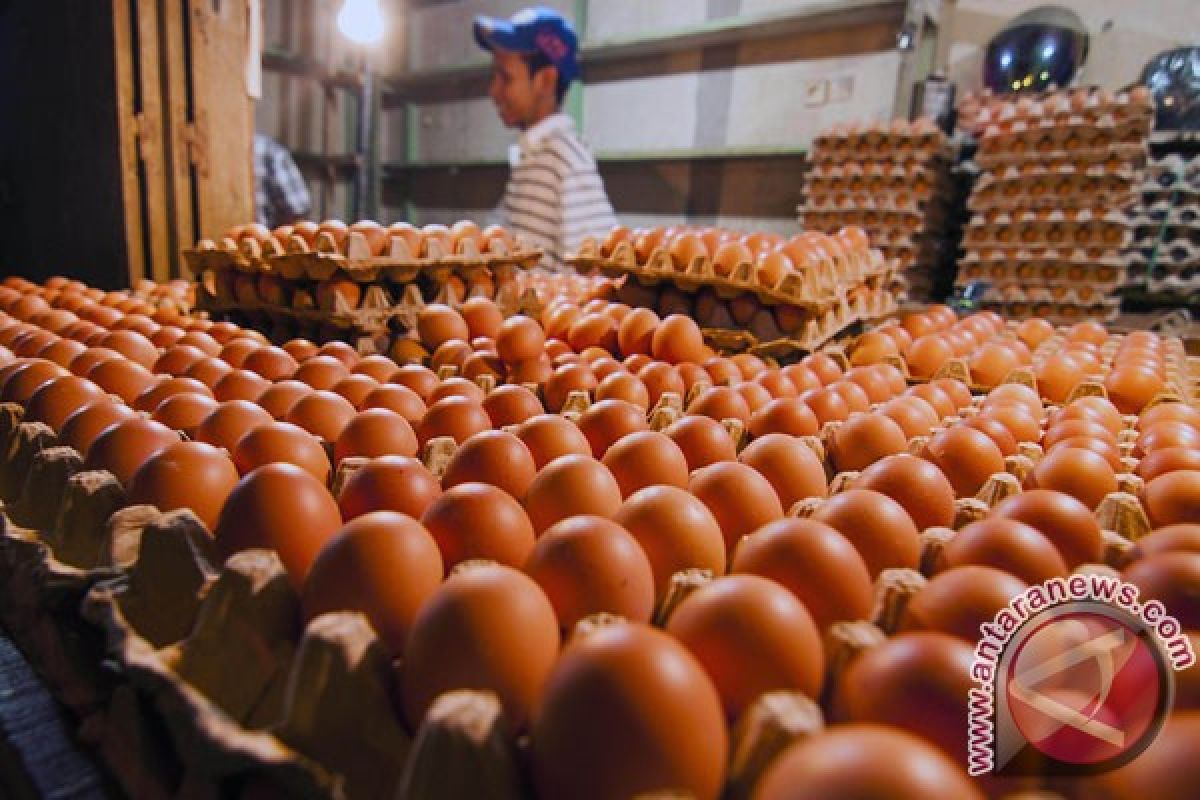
(124, 447)
(240, 384)
(599, 731)
(721, 402)
(355, 388)
(739, 497)
(281, 397)
(864, 439)
(321, 372)
(393, 397)
(125, 379)
(479, 521)
(568, 486)
(1006, 545)
(646, 458)
(417, 378)
(625, 386)
(229, 422)
(482, 316)
(1131, 388)
(1173, 498)
(497, 458)
(549, 436)
(236, 350)
(1034, 331)
(872, 347)
(184, 412)
(438, 323)
(1168, 459)
(457, 417)
(856, 398)
(1163, 412)
(1015, 394)
(1058, 376)
(1084, 475)
(375, 432)
(966, 457)
(827, 404)
(272, 363)
(607, 421)
(789, 465)
(677, 339)
(789, 415)
(275, 442)
(587, 565)
(927, 354)
(864, 760)
(635, 334)
(1184, 537)
(815, 563)
(593, 330)
(190, 475)
(875, 383)
(1093, 409)
(1173, 579)
(57, 399)
(703, 441)
(676, 531)
(208, 371)
(916, 484)
(389, 483)
(1166, 770)
(381, 368)
(520, 339)
(660, 378)
(385, 565)
(490, 628)
(1170, 433)
(750, 635)
(132, 345)
(566, 379)
(1062, 519)
(81, 428)
(942, 403)
(992, 363)
(916, 417)
(994, 430)
(959, 600)
(323, 414)
(878, 527)
(63, 352)
(81, 364)
(1020, 423)
(915, 681)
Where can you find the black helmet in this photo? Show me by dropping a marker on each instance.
(1174, 79)
(1036, 50)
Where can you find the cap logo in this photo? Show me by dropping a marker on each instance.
(554, 47)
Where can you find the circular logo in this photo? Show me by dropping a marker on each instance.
(1088, 687)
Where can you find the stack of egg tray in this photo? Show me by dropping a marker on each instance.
(1050, 226)
(894, 181)
(1165, 257)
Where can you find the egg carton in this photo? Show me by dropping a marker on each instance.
(1175, 253)
(822, 197)
(811, 289)
(1057, 313)
(1184, 285)
(1072, 133)
(1076, 256)
(1181, 221)
(878, 175)
(1073, 191)
(1044, 274)
(1173, 171)
(1070, 229)
(1117, 156)
(980, 110)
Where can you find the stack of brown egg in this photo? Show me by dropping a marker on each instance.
(893, 181)
(1048, 230)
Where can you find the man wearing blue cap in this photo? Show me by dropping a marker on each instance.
(554, 196)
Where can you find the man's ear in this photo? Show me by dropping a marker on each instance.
(546, 80)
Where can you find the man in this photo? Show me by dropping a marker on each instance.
(554, 196)
(280, 193)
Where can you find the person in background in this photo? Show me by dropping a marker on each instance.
(280, 193)
(555, 196)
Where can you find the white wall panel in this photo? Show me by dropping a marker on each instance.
(620, 19)
(645, 114)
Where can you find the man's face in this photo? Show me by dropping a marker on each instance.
(521, 99)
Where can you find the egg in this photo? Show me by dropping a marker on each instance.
(1166, 770)
(876, 383)
(788, 415)
(275, 442)
(1163, 412)
(660, 378)
(812, 561)
(1007, 545)
(1058, 375)
(677, 339)
(184, 412)
(916, 681)
(190, 475)
(864, 439)
(916, 417)
(675, 529)
(1020, 423)
(878, 527)
(607, 421)
(865, 760)
(82, 428)
(1093, 409)
(58, 398)
(1084, 475)
(479, 521)
(383, 564)
(568, 486)
(926, 355)
(1173, 498)
(229, 422)
(1169, 433)
(827, 404)
(1173, 579)
(627, 711)
(497, 458)
(549, 436)
(417, 378)
(125, 446)
(457, 417)
(1184, 537)
(872, 347)
(942, 403)
(208, 371)
(262, 510)
(389, 483)
(750, 635)
(703, 441)
(621, 385)
(635, 334)
(1168, 459)
(740, 498)
(916, 484)
(966, 457)
(1034, 331)
(490, 627)
(959, 600)
(519, 338)
(1065, 521)
(646, 458)
(587, 565)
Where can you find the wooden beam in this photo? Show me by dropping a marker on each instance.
(126, 79)
(177, 89)
(151, 146)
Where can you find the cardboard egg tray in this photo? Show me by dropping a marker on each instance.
(1062, 188)
(1105, 270)
(1072, 134)
(881, 226)
(295, 260)
(1184, 284)
(1057, 313)
(813, 290)
(979, 110)
(902, 141)
(1024, 229)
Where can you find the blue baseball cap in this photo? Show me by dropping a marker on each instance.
(533, 30)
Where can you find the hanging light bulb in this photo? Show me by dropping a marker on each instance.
(361, 21)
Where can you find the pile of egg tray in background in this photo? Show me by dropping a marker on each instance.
(362, 281)
(1050, 225)
(1165, 257)
(249, 699)
(893, 180)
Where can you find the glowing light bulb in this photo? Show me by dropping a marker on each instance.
(361, 21)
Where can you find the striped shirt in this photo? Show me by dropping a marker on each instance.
(554, 196)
